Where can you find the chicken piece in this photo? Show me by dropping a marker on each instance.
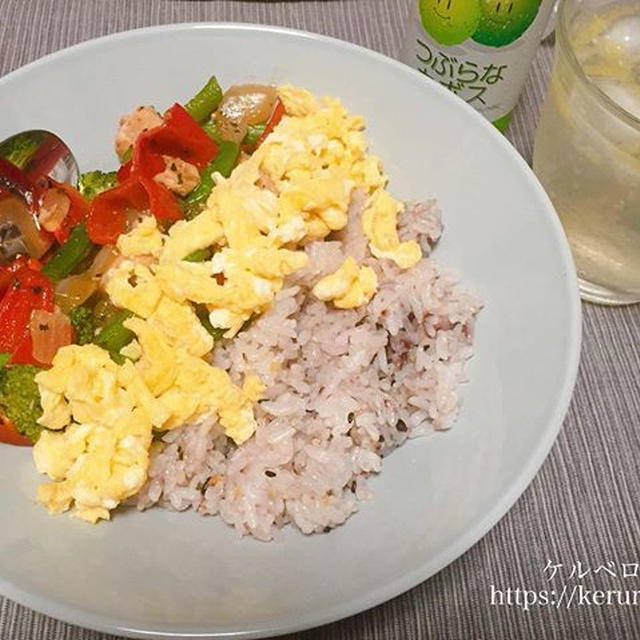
(132, 125)
(53, 209)
(178, 176)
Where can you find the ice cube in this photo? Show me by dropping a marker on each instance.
(599, 122)
(625, 35)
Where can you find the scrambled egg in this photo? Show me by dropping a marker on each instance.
(100, 417)
(102, 455)
(185, 385)
(133, 286)
(379, 222)
(350, 286)
(295, 188)
(144, 239)
(311, 163)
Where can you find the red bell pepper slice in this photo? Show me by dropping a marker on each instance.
(25, 290)
(276, 116)
(107, 218)
(7, 273)
(162, 202)
(108, 215)
(124, 171)
(10, 435)
(180, 136)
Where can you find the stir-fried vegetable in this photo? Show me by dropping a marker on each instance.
(223, 164)
(203, 316)
(74, 290)
(53, 208)
(276, 116)
(77, 212)
(82, 321)
(254, 133)
(50, 331)
(206, 101)
(179, 136)
(199, 255)
(211, 129)
(10, 435)
(113, 336)
(69, 255)
(20, 403)
(56, 207)
(241, 107)
(103, 261)
(91, 183)
(23, 290)
(46, 305)
(226, 159)
(108, 215)
(103, 313)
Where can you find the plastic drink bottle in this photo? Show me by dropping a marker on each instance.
(479, 49)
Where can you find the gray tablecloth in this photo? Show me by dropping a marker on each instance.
(581, 511)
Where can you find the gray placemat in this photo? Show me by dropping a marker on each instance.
(581, 511)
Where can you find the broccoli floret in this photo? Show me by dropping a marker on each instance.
(20, 399)
(91, 183)
(82, 321)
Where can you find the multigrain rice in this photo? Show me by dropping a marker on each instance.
(344, 388)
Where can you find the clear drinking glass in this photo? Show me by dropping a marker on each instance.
(587, 146)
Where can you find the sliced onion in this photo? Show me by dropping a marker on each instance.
(241, 106)
(103, 261)
(250, 102)
(74, 290)
(49, 332)
(77, 289)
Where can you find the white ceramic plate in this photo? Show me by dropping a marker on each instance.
(178, 574)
